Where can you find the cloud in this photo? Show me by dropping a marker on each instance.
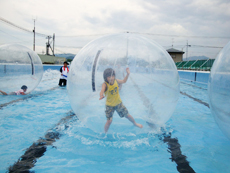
(196, 17)
(165, 17)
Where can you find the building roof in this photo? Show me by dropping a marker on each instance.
(172, 50)
(49, 59)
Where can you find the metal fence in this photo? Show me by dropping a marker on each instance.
(202, 65)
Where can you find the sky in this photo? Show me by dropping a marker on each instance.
(204, 25)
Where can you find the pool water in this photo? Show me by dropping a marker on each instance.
(40, 133)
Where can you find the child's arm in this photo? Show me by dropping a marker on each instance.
(4, 93)
(102, 91)
(126, 77)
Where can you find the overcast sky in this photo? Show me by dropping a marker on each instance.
(205, 24)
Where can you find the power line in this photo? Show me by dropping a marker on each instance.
(58, 50)
(21, 41)
(166, 35)
(90, 35)
(78, 47)
(206, 46)
(21, 28)
(13, 36)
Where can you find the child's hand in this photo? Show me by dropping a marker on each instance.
(101, 97)
(127, 70)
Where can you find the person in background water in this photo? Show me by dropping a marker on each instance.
(113, 101)
(64, 73)
(19, 92)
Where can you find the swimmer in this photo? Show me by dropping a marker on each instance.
(113, 101)
(19, 92)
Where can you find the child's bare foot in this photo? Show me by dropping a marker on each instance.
(138, 125)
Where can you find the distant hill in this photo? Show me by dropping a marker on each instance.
(195, 58)
(66, 55)
(71, 56)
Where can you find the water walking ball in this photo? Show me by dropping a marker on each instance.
(19, 66)
(150, 93)
(219, 90)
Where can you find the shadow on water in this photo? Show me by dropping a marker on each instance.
(176, 155)
(38, 148)
(193, 85)
(195, 99)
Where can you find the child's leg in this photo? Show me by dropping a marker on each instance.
(3, 92)
(109, 110)
(123, 112)
(107, 125)
(131, 119)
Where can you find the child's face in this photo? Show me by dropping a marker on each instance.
(111, 79)
(24, 90)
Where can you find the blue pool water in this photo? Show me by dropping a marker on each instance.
(40, 131)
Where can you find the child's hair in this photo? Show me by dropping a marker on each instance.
(107, 73)
(24, 87)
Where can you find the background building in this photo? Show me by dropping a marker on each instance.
(50, 59)
(176, 55)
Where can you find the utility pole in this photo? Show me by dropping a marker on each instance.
(34, 35)
(187, 45)
(53, 43)
(48, 45)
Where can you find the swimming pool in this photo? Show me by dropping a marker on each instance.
(40, 133)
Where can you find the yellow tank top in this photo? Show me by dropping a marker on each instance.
(112, 94)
